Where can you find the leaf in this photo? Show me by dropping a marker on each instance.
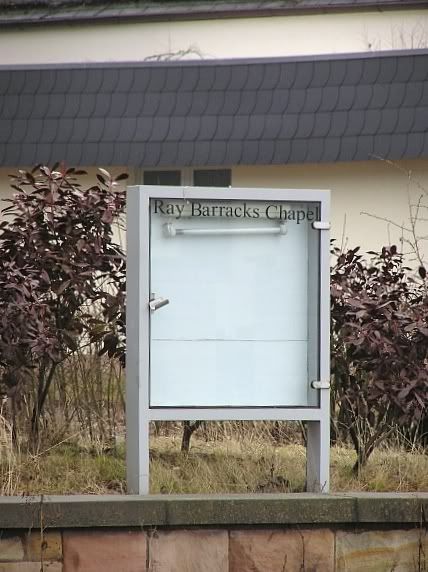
(63, 287)
(355, 303)
(107, 216)
(45, 170)
(122, 177)
(422, 272)
(70, 341)
(104, 172)
(80, 244)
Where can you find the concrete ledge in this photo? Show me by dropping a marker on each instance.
(227, 510)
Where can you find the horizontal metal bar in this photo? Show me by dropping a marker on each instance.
(233, 193)
(234, 414)
(171, 230)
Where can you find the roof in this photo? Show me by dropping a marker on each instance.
(19, 12)
(293, 110)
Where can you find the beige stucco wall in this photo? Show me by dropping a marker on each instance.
(381, 189)
(210, 39)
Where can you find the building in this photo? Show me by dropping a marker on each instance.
(310, 94)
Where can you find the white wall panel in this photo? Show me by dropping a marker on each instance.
(210, 39)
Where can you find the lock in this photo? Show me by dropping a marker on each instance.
(157, 303)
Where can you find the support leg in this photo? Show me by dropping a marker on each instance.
(318, 457)
(137, 460)
(137, 345)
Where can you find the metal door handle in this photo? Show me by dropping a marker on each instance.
(157, 303)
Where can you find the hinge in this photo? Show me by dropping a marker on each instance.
(320, 384)
(321, 225)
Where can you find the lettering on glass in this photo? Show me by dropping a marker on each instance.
(276, 211)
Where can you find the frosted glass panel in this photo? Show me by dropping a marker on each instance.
(236, 329)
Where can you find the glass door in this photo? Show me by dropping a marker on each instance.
(235, 318)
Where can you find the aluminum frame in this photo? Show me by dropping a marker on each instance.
(138, 410)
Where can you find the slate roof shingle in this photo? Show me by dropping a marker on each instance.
(331, 108)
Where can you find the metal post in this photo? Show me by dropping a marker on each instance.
(318, 432)
(137, 422)
(318, 453)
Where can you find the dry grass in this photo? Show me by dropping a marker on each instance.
(232, 466)
(226, 465)
(9, 466)
(82, 448)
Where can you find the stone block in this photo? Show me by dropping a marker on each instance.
(11, 549)
(188, 551)
(382, 551)
(269, 510)
(49, 545)
(281, 550)
(111, 551)
(30, 567)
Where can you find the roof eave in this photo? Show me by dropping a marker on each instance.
(180, 13)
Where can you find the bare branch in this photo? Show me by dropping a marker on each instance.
(388, 220)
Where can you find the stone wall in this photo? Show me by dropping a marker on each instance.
(263, 533)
